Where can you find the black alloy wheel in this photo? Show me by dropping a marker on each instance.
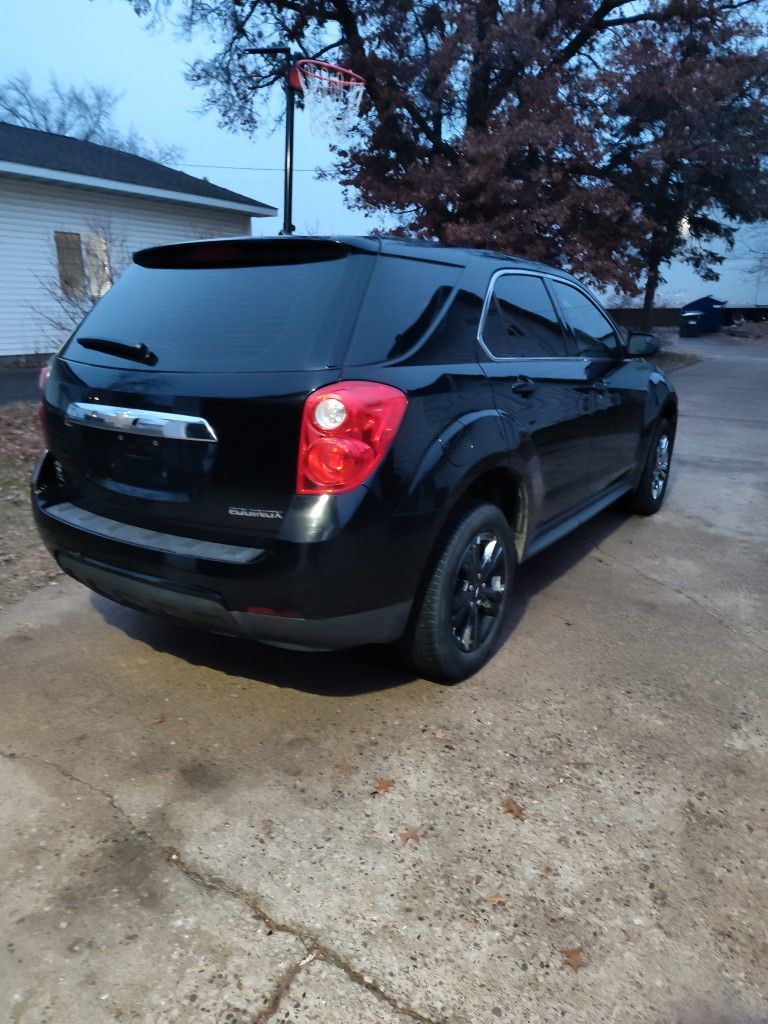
(459, 614)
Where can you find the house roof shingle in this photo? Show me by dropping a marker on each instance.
(31, 148)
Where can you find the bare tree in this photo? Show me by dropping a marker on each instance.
(82, 112)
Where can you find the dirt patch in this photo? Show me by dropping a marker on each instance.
(748, 333)
(25, 565)
(670, 361)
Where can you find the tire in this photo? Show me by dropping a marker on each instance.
(648, 496)
(462, 604)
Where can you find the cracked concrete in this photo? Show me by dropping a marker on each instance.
(188, 831)
(313, 949)
(120, 935)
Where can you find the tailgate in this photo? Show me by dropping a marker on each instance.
(169, 453)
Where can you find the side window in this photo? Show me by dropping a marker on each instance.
(454, 339)
(402, 302)
(593, 332)
(521, 321)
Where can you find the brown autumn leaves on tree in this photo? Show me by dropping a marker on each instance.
(608, 137)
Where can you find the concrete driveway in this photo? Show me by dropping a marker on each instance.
(190, 829)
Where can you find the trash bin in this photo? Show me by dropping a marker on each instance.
(690, 323)
(703, 316)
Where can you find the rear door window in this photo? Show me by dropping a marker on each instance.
(521, 321)
(592, 330)
(294, 316)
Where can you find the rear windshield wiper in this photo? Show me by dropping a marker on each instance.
(140, 353)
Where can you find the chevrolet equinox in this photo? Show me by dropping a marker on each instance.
(325, 442)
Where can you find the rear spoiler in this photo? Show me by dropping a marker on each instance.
(252, 252)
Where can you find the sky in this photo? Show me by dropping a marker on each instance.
(104, 42)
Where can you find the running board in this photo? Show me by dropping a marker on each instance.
(555, 533)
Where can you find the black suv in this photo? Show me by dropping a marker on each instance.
(320, 443)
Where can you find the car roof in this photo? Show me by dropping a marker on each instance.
(417, 248)
(387, 245)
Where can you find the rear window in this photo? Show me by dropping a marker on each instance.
(294, 316)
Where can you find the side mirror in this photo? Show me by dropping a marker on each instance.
(643, 344)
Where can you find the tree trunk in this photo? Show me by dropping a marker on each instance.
(651, 284)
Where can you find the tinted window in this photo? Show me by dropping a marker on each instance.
(521, 320)
(404, 299)
(593, 332)
(287, 317)
(454, 339)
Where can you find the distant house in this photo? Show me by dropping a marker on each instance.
(71, 214)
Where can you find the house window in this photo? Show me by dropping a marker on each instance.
(69, 255)
(84, 267)
(98, 272)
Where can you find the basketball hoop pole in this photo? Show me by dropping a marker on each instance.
(332, 96)
(290, 109)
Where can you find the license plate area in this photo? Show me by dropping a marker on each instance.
(149, 464)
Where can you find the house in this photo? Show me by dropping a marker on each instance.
(71, 214)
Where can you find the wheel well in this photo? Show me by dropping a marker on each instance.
(669, 412)
(502, 488)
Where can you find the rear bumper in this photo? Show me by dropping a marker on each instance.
(196, 608)
(355, 587)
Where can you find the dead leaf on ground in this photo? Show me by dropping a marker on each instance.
(159, 719)
(382, 787)
(346, 768)
(410, 835)
(573, 958)
(496, 899)
(512, 807)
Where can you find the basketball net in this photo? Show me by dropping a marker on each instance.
(332, 97)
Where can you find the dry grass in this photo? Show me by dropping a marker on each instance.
(25, 565)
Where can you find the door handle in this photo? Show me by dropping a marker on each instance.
(600, 386)
(523, 386)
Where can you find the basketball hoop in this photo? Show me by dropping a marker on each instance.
(332, 96)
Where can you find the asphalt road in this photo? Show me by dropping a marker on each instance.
(188, 830)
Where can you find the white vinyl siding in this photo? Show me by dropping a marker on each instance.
(111, 227)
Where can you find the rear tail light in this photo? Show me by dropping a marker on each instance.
(42, 380)
(42, 377)
(346, 431)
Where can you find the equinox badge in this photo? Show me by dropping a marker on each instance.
(255, 513)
